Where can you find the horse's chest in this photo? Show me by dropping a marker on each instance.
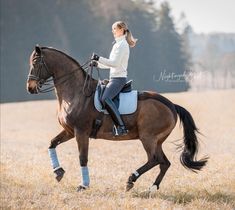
(65, 119)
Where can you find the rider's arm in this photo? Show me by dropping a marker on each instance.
(102, 66)
(116, 56)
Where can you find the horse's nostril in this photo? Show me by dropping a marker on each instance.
(32, 87)
(29, 89)
(32, 90)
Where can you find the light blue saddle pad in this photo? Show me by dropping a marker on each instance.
(127, 103)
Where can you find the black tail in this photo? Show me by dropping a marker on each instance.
(188, 156)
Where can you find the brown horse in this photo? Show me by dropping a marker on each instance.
(152, 122)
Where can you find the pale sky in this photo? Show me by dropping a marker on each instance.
(206, 16)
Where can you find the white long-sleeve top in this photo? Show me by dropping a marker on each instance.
(118, 58)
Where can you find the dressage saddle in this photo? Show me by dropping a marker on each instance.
(101, 87)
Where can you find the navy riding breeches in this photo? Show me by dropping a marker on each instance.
(114, 87)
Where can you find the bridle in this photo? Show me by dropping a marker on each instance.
(42, 75)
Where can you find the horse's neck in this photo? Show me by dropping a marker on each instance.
(69, 86)
(68, 78)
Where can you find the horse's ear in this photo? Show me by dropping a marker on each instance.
(38, 49)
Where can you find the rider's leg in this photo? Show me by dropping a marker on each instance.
(112, 89)
(114, 113)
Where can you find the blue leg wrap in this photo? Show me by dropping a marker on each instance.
(85, 176)
(53, 157)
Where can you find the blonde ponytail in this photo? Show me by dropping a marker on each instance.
(129, 38)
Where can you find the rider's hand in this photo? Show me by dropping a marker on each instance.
(95, 57)
(94, 63)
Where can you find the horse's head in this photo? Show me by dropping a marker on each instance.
(38, 73)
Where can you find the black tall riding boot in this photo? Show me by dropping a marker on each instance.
(113, 111)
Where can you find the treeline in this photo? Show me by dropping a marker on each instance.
(213, 61)
(158, 62)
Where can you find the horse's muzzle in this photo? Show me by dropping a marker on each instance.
(32, 86)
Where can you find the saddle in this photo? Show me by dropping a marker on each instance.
(126, 100)
(101, 88)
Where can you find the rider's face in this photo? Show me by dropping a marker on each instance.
(117, 32)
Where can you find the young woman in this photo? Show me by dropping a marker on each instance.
(117, 63)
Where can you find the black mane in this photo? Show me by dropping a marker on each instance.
(74, 60)
(71, 58)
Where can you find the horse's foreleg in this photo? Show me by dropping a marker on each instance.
(60, 138)
(83, 145)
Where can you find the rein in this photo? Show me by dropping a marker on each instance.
(87, 67)
(88, 82)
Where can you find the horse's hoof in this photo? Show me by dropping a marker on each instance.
(59, 172)
(152, 190)
(129, 186)
(81, 188)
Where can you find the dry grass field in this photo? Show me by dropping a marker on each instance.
(27, 181)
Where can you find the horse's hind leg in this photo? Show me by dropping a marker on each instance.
(164, 165)
(60, 138)
(155, 156)
(149, 147)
